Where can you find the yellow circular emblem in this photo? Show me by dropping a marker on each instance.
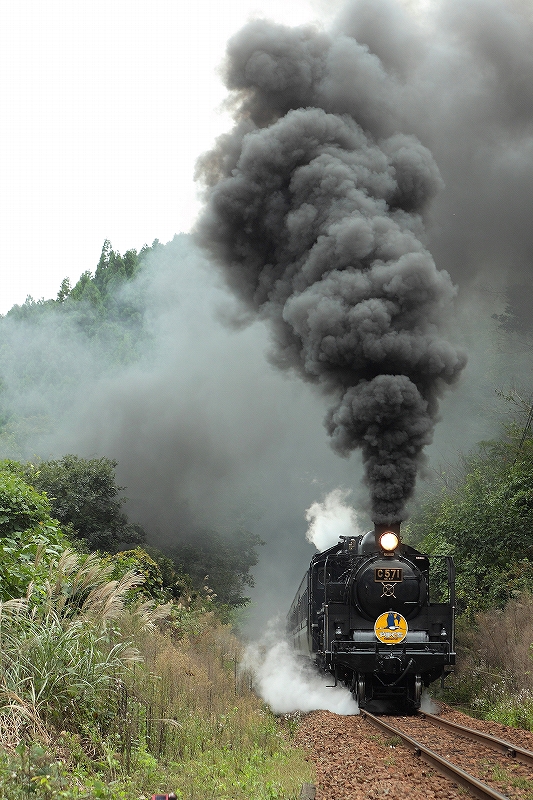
(391, 627)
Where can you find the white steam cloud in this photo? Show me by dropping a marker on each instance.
(331, 519)
(285, 679)
(427, 705)
(289, 682)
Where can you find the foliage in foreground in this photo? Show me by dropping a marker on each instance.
(99, 697)
(30, 540)
(483, 516)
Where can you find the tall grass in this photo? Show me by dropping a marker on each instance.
(58, 656)
(101, 696)
(194, 712)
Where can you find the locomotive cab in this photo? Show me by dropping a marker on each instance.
(365, 613)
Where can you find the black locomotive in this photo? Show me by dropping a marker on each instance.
(363, 613)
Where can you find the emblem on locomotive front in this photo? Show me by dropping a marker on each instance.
(391, 627)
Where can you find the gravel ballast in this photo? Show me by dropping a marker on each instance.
(355, 761)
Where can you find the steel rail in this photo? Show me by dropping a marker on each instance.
(509, 749)
(442, 765)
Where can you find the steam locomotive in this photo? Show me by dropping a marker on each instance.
(363, 613)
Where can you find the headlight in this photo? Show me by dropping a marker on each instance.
(388, 541)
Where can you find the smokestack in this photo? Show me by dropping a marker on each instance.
(380, 528)
(314, 214)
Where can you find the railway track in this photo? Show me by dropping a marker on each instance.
(507, 748)
(443, 765)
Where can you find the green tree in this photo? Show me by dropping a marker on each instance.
(86, 289)
(30, 539)
(84, 497)
(223, 562)
(64, 290)
(485, 520)
(516, 317)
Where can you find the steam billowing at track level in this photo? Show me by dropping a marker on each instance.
(314, 212)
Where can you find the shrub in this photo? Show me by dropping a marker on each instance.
(30, 540)
(495, 664)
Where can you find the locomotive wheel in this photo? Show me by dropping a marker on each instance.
(360, 688)
(418, 690)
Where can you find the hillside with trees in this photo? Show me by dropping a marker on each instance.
(48, 347)
(99, 305)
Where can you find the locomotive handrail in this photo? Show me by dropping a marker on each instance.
(451, 579)
(450, 576)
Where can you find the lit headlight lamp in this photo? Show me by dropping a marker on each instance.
(389, 541)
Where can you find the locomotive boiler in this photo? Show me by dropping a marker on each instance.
(364, 613)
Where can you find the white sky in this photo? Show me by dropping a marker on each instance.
(105, 106)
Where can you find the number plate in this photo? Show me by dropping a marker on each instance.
(388, 574)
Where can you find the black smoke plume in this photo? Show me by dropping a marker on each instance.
(315, 205)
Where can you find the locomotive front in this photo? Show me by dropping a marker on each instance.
(364, 613)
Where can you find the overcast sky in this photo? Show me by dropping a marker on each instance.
(105, 108)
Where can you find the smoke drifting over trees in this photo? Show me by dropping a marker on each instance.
(205, 432)
(317, 223)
